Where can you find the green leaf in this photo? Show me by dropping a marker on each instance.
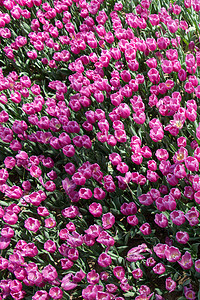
(3, 203)
(129, 294)
(188, 281)
(198, 296)
(121, 225)
(139, 191)
(157, 290)
(121, 248)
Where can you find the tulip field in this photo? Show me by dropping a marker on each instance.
(100, 149)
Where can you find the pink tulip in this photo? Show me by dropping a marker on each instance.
(159, 269)
(172, 254)
(32, 224)
(55, 293)
(170, 284)
(108, 220)
(197, 265)
(145, 229)
(119, 272)
(41, 295)
(186, 261)
(137, 273)
(49, 273)
(104, 260)
(93, 277)
(161, 220)
(182, 237)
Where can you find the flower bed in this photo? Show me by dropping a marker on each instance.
(99, 149)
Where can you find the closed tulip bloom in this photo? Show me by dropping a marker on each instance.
(66, 263)
(90, 292)
(197, 197)
(154, 19)
(105, 239)
(151, 44)
(154, 76)
(182, 237)
(145, 229)
(162, 154)
(7, 231)
(50, 246)
(179, 171)
(146, 199)
(78, 178)
(122, 167)
(161, 220)
(95, 209)
(176, 193)
(132, 220)
(85, 193)
(182, 75)
(104, 260)
(172, 26)
(4, 242)
(4, 265)
(192, 164)
(152, 176)
(133, 65)
(115, 53)
(177, 217)
(152, 165)
(41, 295)
(128, 208)
(67, 283)
(49, 273)
(167, 66)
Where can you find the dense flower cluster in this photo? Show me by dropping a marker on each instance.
(100, 149)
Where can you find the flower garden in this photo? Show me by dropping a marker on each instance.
(99, 149)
